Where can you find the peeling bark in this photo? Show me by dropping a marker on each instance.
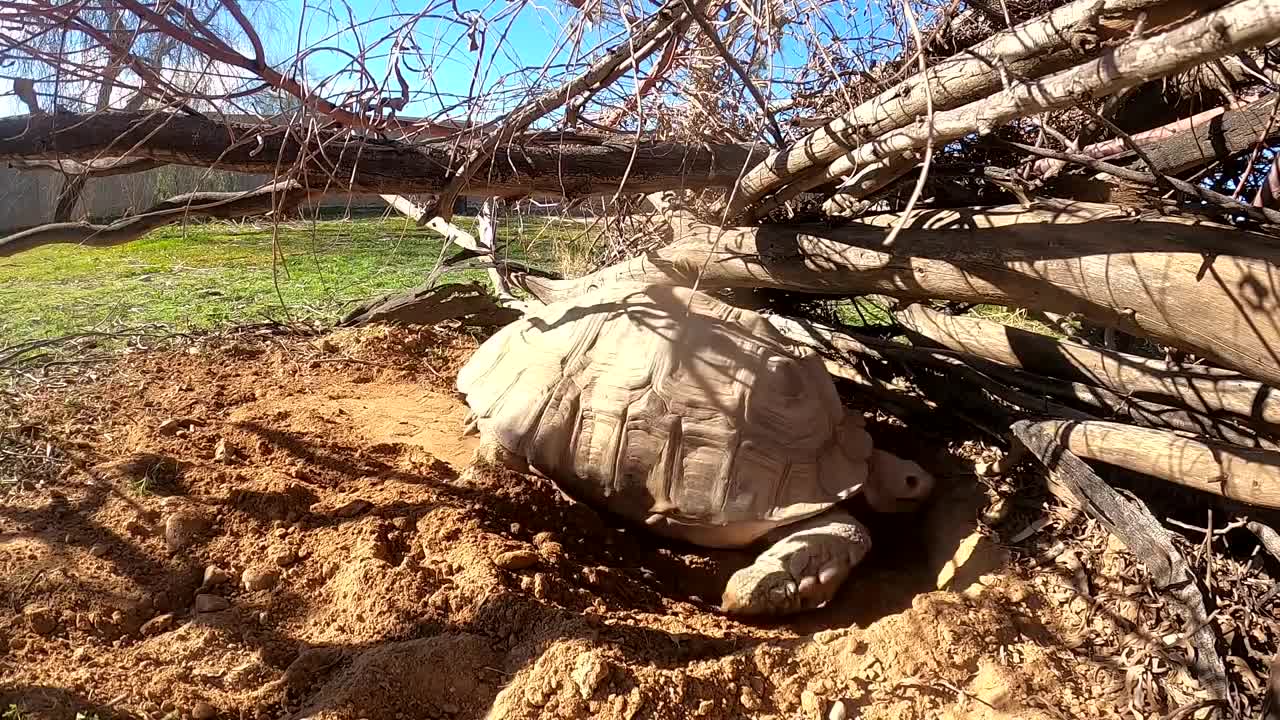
(341, 162)
(1053, 260)
(1205, 390)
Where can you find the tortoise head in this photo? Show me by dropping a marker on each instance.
(896, 485)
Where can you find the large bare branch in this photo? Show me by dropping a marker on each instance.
(367, 164)
(1060, 260)
(1235, 27)
(1030, 392)
(1244, 474)
(1039, 46)
(277, 197)
(1203, 389)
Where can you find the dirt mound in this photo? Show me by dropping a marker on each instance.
(272, 526)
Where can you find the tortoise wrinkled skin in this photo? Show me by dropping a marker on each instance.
(695, 420)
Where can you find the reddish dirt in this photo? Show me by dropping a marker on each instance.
(342, 494)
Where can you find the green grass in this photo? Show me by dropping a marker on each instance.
(209, 276)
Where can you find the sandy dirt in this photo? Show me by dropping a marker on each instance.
(267, 526)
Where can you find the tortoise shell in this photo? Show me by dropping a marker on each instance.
(665, 405)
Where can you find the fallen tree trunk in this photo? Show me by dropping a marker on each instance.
(1246, 475)
(1205, 390)
(1150, 289)
(1034, 394)
(339, 161)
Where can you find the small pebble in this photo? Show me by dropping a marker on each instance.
(211, 603)
(214, 575)
(259, 578)
(352, 508)
(809, 701)
(543, 537)
(838, 711)
(220, 452)
(203, 711)
(181, 529)
(284, 557)
(157, 625)
(516, 559)
(40, 619)
(98, 550)
(172, 425)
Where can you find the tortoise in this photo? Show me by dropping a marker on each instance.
(697, 420)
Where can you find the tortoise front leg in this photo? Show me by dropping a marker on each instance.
(491, 452)
(802, 570)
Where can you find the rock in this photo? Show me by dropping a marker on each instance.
(839, 711)
(181, 529)
(516, 559)
(451, 708)
(284, 556)
(214, 575)
(40, 619)
(173, 425)
(203, 711)
(809, 701)
(588, 673)
(748, 698)
(133, 527)
(541, 586)
(352, 508)
(259, 578)
(221, 452)
(543, 537)
(158, 624)
(98, 550)
(211, 603)
(552, 550)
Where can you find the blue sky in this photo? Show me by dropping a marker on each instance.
(443, 64)
(536, 32)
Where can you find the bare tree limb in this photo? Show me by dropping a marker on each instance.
(1060, 260)
(1028, 391)
(368, 164)
(1234, 27)
(275, 197)
(1247, 475)
(1204, 390)
(1034, 48)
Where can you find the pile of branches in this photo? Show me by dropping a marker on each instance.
(1107, 166)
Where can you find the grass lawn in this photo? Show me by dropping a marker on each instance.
(206, 276)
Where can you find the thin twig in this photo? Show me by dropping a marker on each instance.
(928, 148)
(737, 68)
